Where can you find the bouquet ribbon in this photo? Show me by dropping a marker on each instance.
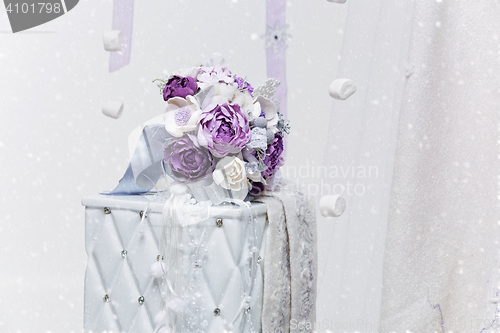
(145, 167)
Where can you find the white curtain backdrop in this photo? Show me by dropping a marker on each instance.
(361, 148)
(426, 225)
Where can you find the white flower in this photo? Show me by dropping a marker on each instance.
(181, 115)
(192, 72)
(230, 94)
(270, 110)
(245, 101)
(211, 75)
(230, 173)
(223, 93)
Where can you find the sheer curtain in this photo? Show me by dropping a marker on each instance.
(425, 117)
(361, 146)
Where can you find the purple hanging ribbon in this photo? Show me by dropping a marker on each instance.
(276, 38)
(123, 17)
(276, 43)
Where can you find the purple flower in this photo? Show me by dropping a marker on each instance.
(256, 188)
(208, 76)
(273, 159)
(179, 86)
(186, 159)
(223, 129)
(243, 85)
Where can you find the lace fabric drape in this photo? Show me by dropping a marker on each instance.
(440, 262)
(427, 82)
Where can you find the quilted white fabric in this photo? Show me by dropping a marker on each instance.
(121, 250)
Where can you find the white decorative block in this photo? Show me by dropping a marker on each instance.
(113, 109)
(342, 89)
(332, 205)
(121, 295)
(112, 40)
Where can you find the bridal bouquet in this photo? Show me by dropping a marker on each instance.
(222, 129)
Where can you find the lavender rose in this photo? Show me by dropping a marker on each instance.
(178, 86)
(273, 159)
(223, 129)
(186, 159)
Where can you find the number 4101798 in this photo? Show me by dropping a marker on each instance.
(39, 7)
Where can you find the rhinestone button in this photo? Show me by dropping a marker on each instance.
(141, 300)
(218, 222)
(248, 310)
(217, 312)
(124, 254)
(105, 299)
(259, 259)
(107, 210)
(142, 214)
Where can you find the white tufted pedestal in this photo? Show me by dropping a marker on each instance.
(121, 295)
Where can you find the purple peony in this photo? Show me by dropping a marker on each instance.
(273, 159)
(223, 129)
(186, 159)
(179, 86)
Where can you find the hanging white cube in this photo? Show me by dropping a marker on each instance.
(342, 89)
(112, 40)
(113, 109)
(332, 205)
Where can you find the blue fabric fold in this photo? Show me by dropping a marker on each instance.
(145, 167)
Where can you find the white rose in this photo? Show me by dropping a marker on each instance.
(230, 173)
(181, 115)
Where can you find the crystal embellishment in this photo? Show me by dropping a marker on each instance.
(252, 167)
(218, 222)
(105, 299)
(107, 210)
(141, 300)
(124, 254)
(259, 259)
(142, 214)
(217, 312)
